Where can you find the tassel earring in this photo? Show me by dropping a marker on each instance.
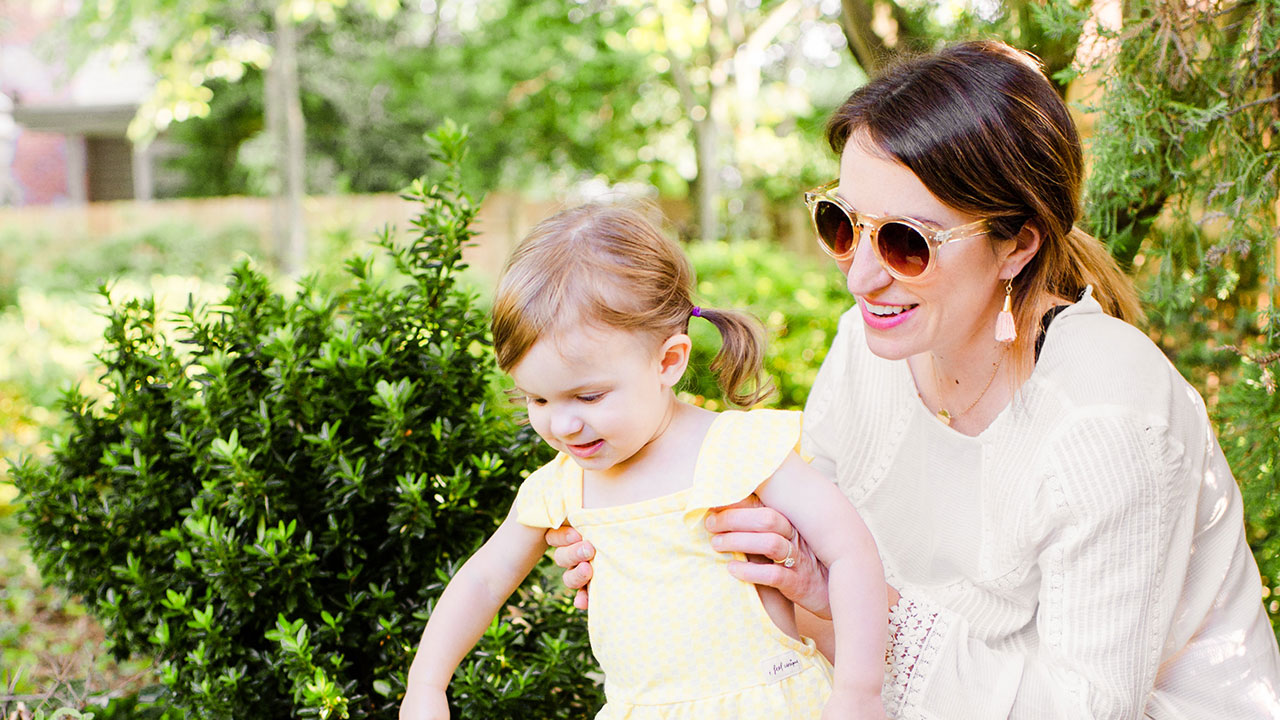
(1006, 331)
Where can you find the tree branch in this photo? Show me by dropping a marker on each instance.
(867, 47)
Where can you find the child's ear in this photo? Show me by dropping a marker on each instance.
(673, 358)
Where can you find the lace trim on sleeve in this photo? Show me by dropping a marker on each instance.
(915, 635)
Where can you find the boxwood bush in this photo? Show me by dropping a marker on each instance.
(269, 502)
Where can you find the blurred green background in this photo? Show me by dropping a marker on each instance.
(714, 109)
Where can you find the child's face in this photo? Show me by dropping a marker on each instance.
(597, 394)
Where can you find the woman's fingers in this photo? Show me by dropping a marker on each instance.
(574, 555)
(770, 574)
(766, 544)
(570, 548)
(755, 518)
(805, 584)
(578, 576)
(570, 556)
(563, 536)
(752, 529)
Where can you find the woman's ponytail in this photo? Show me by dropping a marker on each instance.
(1090, 264)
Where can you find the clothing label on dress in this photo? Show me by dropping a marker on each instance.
(781, 666)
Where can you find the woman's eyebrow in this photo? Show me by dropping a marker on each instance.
(923, 220)
(917, 218)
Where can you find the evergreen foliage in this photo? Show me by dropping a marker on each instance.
(270, 505)
(1183, 185)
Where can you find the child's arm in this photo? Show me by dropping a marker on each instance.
(835, 531)
(464, 611)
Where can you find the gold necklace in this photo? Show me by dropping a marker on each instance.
(942, 413)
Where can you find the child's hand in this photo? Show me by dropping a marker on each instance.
(850, 705)
(424, 704)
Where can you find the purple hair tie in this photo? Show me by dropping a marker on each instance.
(696, 311)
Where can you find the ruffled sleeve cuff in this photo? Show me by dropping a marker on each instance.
(549, 494)
(741, 451)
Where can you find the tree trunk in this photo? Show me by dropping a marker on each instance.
(706, 147)
(868, 48)
(287, 129)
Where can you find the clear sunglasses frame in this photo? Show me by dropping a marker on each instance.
(860, 222)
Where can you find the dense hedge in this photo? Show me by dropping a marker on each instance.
(270, 503)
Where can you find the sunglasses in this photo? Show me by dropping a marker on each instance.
(903, 245)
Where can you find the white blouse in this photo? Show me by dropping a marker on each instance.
(1083, 557)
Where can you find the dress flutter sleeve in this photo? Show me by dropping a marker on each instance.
(741, 451)
(547, 496)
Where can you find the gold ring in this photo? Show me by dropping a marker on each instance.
(790, 559)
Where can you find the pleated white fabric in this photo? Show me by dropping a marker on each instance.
(1083, 557)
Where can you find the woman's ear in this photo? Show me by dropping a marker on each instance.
(673, 358)
(1020, 248)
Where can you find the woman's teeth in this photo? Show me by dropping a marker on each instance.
(886, 310)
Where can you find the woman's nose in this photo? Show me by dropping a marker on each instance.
(864, 274)
(566, 423)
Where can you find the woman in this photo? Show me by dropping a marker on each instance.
(1061, 535)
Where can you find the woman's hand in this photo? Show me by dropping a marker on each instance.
(750, 528)
(574, 555)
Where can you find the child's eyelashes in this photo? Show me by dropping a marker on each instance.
(522, 399)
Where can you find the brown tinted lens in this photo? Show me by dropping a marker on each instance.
(834, 227)
(903, 248)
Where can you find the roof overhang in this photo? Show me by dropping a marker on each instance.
(110, 120)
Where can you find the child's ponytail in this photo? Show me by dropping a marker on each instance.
(739, 365)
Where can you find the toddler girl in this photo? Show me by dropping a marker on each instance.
(590, 321)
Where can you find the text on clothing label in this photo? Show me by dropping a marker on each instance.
(781, 666)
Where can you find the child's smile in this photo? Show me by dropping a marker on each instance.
(585, 450)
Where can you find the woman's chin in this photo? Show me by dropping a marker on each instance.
(889, 349)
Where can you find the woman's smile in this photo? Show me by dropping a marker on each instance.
(883, 317)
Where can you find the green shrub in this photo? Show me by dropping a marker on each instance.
(1248, 414)
(799, 300)
(270, 505)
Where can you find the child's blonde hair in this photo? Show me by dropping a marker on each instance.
(607, 265)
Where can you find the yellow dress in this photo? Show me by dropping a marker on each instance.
(676, 634)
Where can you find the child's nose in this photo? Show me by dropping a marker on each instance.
(566, 423)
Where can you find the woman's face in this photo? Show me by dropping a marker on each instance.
(952, 311)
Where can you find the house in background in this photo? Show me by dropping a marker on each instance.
(63, 140)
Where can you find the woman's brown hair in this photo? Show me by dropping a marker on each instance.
(981, 126)
(607, 265)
